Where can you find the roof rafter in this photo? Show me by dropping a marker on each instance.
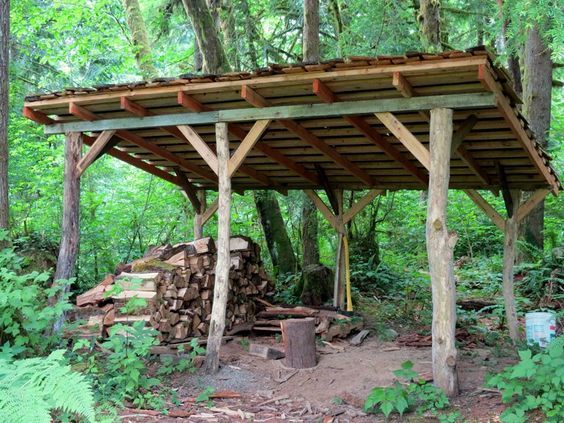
(254, 98)
(85, 114)
(235, 129)
(324, 92)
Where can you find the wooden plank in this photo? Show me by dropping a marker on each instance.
(361, 204)
(322, 207)
(189, 189)
(94, 152)
(406, 138)
(83, 113)
(463, 130)
(281, 112)
(257, 100)
(525, 208)
(200, 146)
(361, 124)
(247, 144)
(481, 202)
(425, 67)
(327, 188)
(504, 107)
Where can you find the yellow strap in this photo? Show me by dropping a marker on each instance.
(347, 274)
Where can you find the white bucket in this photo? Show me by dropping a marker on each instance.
(540, 328)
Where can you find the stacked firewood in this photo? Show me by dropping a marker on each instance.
(177, 285)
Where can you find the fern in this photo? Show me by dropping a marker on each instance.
(31, 389)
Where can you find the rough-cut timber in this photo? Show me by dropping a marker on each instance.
(217, 324)
(298, 336)
(440, 247)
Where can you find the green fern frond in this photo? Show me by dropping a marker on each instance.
(30, 389)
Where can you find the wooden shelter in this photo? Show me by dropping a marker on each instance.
(419, 121)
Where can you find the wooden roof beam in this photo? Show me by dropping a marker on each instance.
(504, 106)
(361, 204)
(324, 92)
(525, 208)
(85, 114)
(409, 140)
(96, 150)
(189, 189)
(236, 130)
(254, 98)
(401, 84)
(37, 116)
(134, 161)
(505, 191)
(482, 203)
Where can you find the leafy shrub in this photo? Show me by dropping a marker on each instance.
(33, 388)
(535, 383)
(416, 394)
(25, 313)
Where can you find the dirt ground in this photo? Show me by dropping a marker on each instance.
(333, 391)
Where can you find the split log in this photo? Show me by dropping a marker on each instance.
(298, 336)
(265, 351)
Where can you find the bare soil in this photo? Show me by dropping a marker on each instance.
(333, 391)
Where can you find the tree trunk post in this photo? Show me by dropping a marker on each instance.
(68, 250)
(509, 250)
(198, 224)
(339, 289)
(217, 323)
(298, 336)
(440, 246)
(311, 31)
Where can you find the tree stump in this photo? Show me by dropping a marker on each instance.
(298, 336)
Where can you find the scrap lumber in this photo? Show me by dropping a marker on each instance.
(264, 351)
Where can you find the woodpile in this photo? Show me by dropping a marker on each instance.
(176, 284)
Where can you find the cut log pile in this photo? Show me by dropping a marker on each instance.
(177, 284)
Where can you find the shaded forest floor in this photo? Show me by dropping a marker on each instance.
(333, 391)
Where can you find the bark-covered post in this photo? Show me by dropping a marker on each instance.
(221, 287)
(509, 249)
(198, 224)
(339, 289)
(440, 246)
(68, 250)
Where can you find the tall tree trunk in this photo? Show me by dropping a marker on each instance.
(227, 25)
(512, 59)
(310, 224)
(311, 31)
(139, 38)
(68, 250)
(537, 98)
(251, 33)
(277, 239)
(430, 24)
(310, 219)
(207, 35)
(4, 105)
(198, 59)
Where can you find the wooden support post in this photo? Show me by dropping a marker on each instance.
(340, 269)
(68, 250)
(509, 248)
(217, 324)
(440, 246)
(198, 224)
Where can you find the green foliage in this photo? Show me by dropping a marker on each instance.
(34, 388)
(25, 319)
(535, 383)
(416, 394)
(205, 396)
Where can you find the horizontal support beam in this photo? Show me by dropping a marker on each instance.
(281, 112)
